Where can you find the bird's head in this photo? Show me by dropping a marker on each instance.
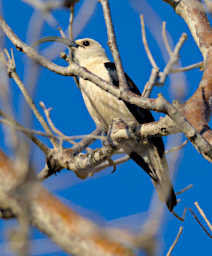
(85, 50)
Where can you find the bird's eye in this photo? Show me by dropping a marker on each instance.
(86, 43)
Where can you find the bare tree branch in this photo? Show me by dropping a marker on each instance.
(203, 215)
(150, 57)
(155, 70)
(183, 69)
(113, 45)
(199, 222)
(173, 59)
(165, 39)
(175, 241)
(197, 108)
(184, 190)
(12, 73)
(72, 232)
(10, 121)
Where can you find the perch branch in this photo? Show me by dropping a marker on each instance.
(159, 104)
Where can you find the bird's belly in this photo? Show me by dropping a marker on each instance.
(103, 106)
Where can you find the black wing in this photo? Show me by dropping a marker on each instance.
(141, 115)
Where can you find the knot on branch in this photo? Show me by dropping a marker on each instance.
(53, 161)
(120, 131)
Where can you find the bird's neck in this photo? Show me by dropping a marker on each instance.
(90, 62)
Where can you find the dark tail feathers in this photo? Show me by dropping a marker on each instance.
(171, 200)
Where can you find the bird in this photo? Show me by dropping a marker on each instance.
(104, 108)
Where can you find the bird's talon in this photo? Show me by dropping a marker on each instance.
(111, 162)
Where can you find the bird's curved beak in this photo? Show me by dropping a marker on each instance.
(65, 41)
(73, 44)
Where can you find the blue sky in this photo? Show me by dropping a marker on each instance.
(112, 197)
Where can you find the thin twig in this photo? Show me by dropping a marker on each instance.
(14, 75)
(175, 241)
(31, 68)
(85, 142)
(107, 164)
(31, 132)
(26, 130)
(49, 120)
(177, 216)
(71, 19)
(203, 215)
(10, 135)
(184, 213)
(184, 189)
(61, 136)
(10, 121)
(199, 222)
(155, 70)
(150, 57)
(173, 59)
(62, 33)
(149, 85)
(187, 68)
(165, 38)
(113, 45)
(177, 148)
(68, 58)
